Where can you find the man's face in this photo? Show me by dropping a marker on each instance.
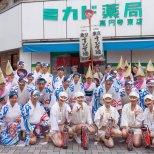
(66, 84)
(11, 76)
(107, 101)
(139, 78)
(63, 99)
(34, 98)
(133, 99)
(120, 70)
(80, 99)
(149, 73)
(41, 85)
(76, 78)
(96, 69)
(30, 79)
(22, 84)
(108, 68)
(45, 69)
(150, 88)
(114, 75)
(38, 67)
(60, 72)
(128, 87)
(148, 103)
(74, 70)
(88, 80)
(21, 66)
(109, 82)
(14, 99)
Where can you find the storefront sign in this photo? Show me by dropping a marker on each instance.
(111, 14)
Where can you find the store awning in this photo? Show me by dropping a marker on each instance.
(73, 47)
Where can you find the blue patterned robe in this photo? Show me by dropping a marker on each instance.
(9, 135)
(143, 92)
(98, 97)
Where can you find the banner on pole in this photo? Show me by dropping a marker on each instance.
(84, 46)
(97, 47)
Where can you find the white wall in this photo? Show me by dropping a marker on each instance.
(42, 57)
(10, 29)
(142, 55)
(114, 56)
(34, 27)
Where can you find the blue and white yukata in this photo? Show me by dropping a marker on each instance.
(73, 89)
(143, 92)
(32, 116)
(117, 83)
(57, 82)
(9, 135)
(24, 95)
(55, 94)
(98, 97)
(44, 98)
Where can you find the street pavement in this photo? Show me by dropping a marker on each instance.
(73, 148)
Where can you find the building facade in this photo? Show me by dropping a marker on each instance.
(49, 31)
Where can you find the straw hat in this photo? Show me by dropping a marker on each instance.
(121, 64)
(9, 69)
(128, 72)
(150, 66)
(126, 63)
(140, 72)
(2, 79)
(89, 73)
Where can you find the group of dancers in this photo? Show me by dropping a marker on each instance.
(115, 104)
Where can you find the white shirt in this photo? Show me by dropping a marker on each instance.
(58, 117)
(82, 116)
(36, 112)
(57, 82)
(149, 118)
(131, 118)
(105, 114)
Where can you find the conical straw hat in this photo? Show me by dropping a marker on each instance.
(139, 64)
(126, 63)
(2, 79)
(140, 72)
(128, 72)
(150, 66)
(89, 73)
(9, 69)
(121, 63)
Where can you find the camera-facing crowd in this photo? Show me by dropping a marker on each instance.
(116, 103)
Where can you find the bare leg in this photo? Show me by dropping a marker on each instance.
(108, 142)
(152, 136)
(57, 139)
(116, 133)
(137, 140)
(33, 140)
(124, 133)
